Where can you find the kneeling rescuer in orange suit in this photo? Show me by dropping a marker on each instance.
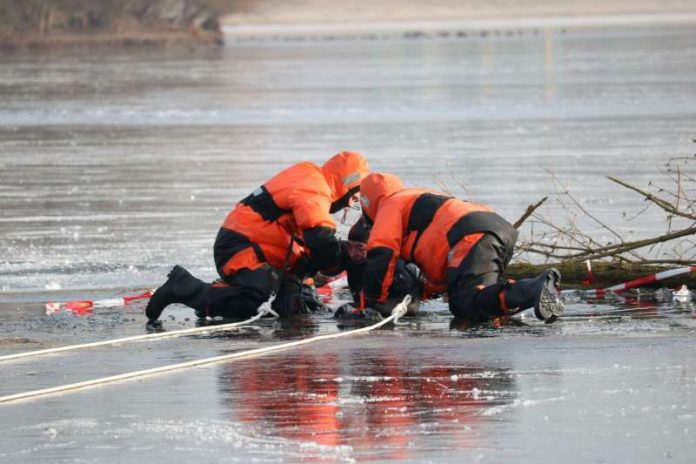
(284, 228)
(462, 248)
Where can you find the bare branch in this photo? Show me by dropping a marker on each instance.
(582, 208)
(528, 212)
(658, 201)
(615, 250)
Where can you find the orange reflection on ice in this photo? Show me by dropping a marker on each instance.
(288, 398)
(381, 404)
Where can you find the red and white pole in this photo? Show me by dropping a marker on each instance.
(82, 307)
(601, 292)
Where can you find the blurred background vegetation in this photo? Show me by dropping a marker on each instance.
(44, 17)
(41, 19)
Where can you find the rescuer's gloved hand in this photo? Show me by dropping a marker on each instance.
(154, 326)
(372, 315)
(346, 312)
(311, 299)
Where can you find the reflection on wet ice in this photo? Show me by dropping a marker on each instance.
(373, 402)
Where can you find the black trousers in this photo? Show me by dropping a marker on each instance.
(474, 287)
(239, 296)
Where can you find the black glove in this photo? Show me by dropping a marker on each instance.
(154, 326)
(311, 299)
(346, 312)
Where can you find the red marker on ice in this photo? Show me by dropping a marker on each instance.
(82, 307)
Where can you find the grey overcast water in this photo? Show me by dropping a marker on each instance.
(116, 165)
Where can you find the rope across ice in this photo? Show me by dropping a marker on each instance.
(398, 312)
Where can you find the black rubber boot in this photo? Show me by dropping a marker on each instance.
(541, 292)
(180, 287)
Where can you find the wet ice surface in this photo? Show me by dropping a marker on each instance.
(115, 167)
(610, 382)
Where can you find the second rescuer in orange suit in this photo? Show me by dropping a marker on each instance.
(283, 228)
(462, 248)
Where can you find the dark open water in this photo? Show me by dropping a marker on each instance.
(113, 167)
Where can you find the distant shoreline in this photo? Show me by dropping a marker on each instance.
(311, 28)
(110, 40)
(395, 30)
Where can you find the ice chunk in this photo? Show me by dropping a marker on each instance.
(683, 295)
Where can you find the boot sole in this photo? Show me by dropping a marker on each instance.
(549, 306)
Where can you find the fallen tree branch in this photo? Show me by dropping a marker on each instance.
(528, 212)
(614, 250)
(665, 205)
(605, 274)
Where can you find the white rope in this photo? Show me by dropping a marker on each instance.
(159, 335)
(398, 311)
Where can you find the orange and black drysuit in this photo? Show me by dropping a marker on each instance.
(284, 228)
(460, 247)
(284, 225)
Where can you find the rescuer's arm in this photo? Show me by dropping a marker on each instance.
(383, 250)
(318, 232)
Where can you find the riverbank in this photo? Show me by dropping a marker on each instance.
(112, 40)
(35, 24)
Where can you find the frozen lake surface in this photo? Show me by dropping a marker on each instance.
(114, 167)
(608, 383)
